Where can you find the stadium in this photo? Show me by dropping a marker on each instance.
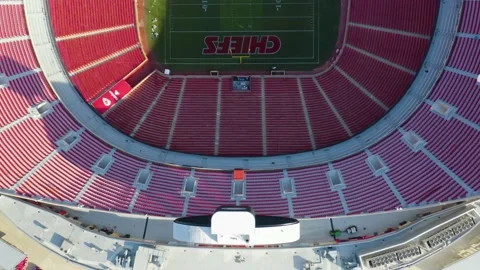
(240, 134)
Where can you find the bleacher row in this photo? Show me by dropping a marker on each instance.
(397, 56)
(32, 163)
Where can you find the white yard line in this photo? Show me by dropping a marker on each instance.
(313, 30)
(229, 58)
(259, 63)
(240, 17)
(241, 4)
(242, 31)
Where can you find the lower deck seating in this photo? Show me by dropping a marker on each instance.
(155, 130)
(404, 15)
(284, 117)
(387, 85)
(98, 78)
(126, 116)
(196, 121)
(326, 128)
(356, 109)
(390, 46)
(240, 135)
(89, 15)
(82, 51)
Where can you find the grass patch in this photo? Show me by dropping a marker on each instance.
(307, 30)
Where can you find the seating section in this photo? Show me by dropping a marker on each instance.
(405, 15)
(214, 190)
(93, 81)
(452, 142)
(21, 94)
(12, 21)
(356, 109)
(417, 178)
(17, 57)
(313, 195)
(361, 184)
(199, 101)
(66, 173)
(79, 52)
(30, 157)
(97, 50)
(386, 85)
(392, 46)
(263, 193)
(284, 113)
(155, 130)
(28, 143)
(465, 97)
(389, 46)
(89, 15)
(163, 194)
(114, 190)
(470, 17)
(466, 55)
(326, 127)
(240, 135)
(127, 114)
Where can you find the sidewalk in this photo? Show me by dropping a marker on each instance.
(37, 254)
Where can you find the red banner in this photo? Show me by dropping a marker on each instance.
(107, 100)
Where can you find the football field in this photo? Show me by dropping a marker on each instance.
(201, 35)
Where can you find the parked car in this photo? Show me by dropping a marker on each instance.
(352, 229)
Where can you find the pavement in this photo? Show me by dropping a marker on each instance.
(37, 254)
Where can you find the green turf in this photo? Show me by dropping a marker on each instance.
(308, 31)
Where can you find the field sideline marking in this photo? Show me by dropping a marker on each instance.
(313, 32)
(259, 63)
(241, 31)
(258, 17)
(167, 17)
(241, 4)
(258, 58)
